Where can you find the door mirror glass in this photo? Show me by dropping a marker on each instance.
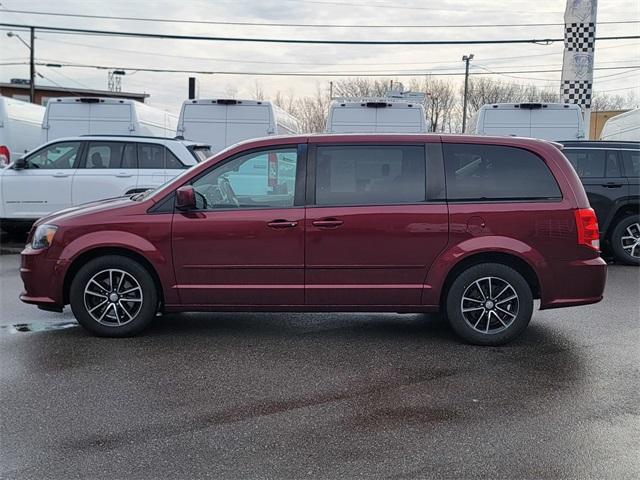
(20, 163)
(185, 198)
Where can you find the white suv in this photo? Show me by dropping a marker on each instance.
(71, 171)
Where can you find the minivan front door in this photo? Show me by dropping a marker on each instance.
(243, 243)
(373, 231)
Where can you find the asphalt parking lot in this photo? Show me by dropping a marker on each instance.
(321, 395)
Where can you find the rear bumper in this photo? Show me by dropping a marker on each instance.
(572, 283)
(42, 278)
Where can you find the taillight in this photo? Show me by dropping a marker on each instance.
(5, 155)
(587, 227)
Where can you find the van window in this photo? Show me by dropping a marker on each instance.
(492, 172)
(57, 156)
(631, 161)
(588, 163)
(255, 180)
(104, 155)
(370, 175)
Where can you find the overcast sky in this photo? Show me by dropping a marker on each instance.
(168, 90)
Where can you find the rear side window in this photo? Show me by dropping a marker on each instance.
(200, 152)
(104, 155)
(631, 160)
(613, 166)
(370, 174)
(491, 172)
(588, 163)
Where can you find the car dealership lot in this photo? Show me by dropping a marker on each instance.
(320, 395)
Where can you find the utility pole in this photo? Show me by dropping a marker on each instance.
(466, 59)
(32, 67)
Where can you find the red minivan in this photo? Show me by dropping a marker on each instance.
(474, 227)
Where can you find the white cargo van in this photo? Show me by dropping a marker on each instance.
(624, 127)
(222, 122)
(73, 116)
(548, 121)
(382, 115)
(20, 124)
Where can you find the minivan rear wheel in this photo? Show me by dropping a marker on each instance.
(489, 304)
(113, 296)
(625, 240)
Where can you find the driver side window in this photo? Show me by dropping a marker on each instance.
(58, 156)
(259, 179)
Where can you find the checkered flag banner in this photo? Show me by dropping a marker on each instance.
(579, 43)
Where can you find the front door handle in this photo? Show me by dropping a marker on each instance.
(281, 223)
(612, 185)
(61, 174)
(124, 175)
(327, 223)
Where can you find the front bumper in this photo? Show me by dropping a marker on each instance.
(43, 279)
(572, 283)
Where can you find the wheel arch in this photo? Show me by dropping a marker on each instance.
(88, 255)
(623, 211)
(510, 260)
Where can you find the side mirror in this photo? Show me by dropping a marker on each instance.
(185, 198)
(20, 163)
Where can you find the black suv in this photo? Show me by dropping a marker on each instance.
(610, 173)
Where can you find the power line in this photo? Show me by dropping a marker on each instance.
(545, 41)
(304, 74)
(309, 25)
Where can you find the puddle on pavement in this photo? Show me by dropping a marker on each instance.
(35, 327)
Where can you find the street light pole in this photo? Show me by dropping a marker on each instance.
(32, 67)
(466, 59)
(32, 61)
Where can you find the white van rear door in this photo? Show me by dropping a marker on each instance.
(110, 119)
(247, 121)
(555, 124)
(398, 120)
(353, 120)
(67, 120)
(507, 122)
(205, 123)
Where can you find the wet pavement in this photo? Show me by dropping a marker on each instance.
(321, 395)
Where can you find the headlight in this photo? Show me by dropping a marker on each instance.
(43, 236)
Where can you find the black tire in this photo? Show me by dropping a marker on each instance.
(619, 232)
(507, 318)
(115, 322)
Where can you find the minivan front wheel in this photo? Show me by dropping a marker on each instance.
(113, 296)
(625, 240)
(489, 304)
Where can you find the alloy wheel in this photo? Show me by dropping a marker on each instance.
(631, 241)
(489, 305)
(113, 297)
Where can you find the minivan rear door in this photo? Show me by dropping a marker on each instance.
(374, 223)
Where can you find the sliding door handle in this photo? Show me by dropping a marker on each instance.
(282, 224)
(328, 223)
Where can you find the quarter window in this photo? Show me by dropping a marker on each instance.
(370, 175)
(491, 172)
(631, 161)
(255, 180)
(587, 163)
(58, 156)
(151, 156)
